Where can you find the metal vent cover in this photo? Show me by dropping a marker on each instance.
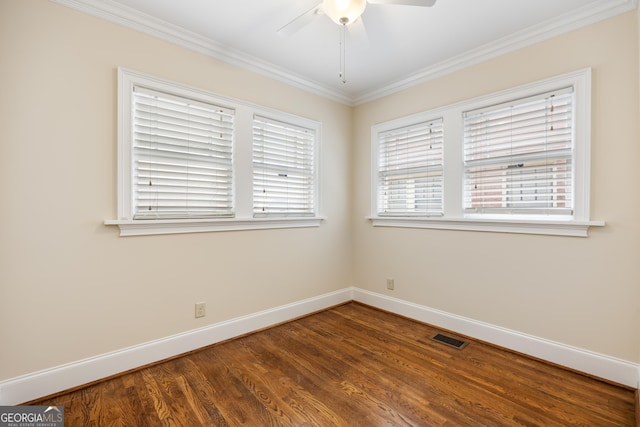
(450, 341)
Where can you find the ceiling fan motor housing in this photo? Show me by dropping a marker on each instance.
(344, 12)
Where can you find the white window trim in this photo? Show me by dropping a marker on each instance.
(454, 217)
(529, 226)
(179, 226)
(242, 162)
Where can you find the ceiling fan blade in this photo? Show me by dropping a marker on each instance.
(423, 3)
(300, 21)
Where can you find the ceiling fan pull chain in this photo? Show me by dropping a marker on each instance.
(342, 74)
(343, 13)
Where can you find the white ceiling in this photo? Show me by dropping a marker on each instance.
(403, 44)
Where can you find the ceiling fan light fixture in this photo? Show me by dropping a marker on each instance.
(344, 12)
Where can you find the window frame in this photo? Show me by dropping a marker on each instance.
(242, 143)
(454, 217)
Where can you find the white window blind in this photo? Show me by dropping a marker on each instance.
(518, 156)
(410, 165)
(182, 157)
(283, 168)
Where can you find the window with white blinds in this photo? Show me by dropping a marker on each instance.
(187, 162)
(514, 161)
(283, 168)
(182, 157)
(410, 167)
(518, 156)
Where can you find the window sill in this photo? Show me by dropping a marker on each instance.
(546, 227)
(180, 226)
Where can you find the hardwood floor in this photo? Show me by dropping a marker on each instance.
(352, 365)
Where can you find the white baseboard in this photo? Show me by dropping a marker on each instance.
(38, 384)
(35, 385)
(599, 365)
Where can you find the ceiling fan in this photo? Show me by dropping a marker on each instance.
(343, 13)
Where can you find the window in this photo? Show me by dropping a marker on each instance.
(410, 170)
(181, 157)
(283, 168)
(187, 160)
(518, 156)
(514, 161)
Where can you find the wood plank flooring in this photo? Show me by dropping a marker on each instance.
(352, 365)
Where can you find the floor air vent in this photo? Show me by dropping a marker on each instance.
(450, 341)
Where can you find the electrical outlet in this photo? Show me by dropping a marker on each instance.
(201, 309)
(390, 284)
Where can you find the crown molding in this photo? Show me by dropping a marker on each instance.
(587, 15)
(138, 21)
(131, 18)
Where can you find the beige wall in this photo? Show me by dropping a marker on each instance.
(583, 292)
(70, 287)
